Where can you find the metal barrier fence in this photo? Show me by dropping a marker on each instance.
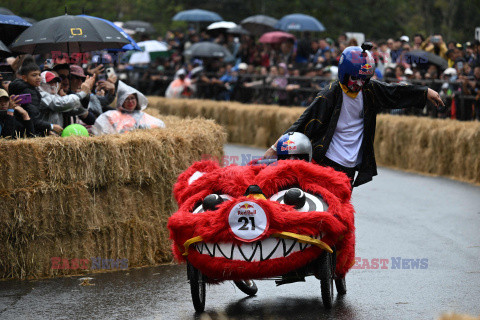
(300, 91)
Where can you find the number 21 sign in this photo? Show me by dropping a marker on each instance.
(248, 221)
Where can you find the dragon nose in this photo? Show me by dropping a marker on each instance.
(254, 192)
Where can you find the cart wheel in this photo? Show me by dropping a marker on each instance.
(197, 287)
(326, 279)
(247, 286)
(341, 286)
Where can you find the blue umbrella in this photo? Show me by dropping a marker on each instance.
(197, 15)
(299, 22)
(131, 46)
(10, 27)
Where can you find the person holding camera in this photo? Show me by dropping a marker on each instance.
(27, 85)
(436, 45)
(10, 126)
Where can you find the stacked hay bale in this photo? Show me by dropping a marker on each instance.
(432, 146)
(107, 196)
(258, 125)
(443, 147)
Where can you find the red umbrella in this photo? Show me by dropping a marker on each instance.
(275, 37)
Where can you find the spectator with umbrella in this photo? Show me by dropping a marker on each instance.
(69, 34)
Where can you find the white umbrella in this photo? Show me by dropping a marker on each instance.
(148, 47)
(222, 25)
(127, 31)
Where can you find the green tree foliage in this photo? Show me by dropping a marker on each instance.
(378, 19)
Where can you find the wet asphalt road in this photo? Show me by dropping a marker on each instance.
(399, 215)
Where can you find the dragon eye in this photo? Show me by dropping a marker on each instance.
(301, 200)
(295, 197)
(211, 202)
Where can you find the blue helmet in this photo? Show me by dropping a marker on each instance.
(294, 145)
(356, 63)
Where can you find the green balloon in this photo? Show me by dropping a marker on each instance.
(75, 130)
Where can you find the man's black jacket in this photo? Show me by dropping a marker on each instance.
(319, 120)
(18, 86)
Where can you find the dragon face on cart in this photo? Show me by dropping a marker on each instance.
(260, 221)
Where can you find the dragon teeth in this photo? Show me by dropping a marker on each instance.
(269, 248)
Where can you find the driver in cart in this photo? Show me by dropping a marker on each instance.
(290, 146)
(341, 120)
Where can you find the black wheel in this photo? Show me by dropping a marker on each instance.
(197, 287)
(247, 286)
(326, 278)
(341, 285)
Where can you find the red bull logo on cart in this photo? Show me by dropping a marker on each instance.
(246, 209)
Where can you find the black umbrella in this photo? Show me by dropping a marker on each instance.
(259, 24)
(10, 27)
(238, 30)
(207, 49)
(69, 34)
(423, 59)
(4, 51)
(139, 26)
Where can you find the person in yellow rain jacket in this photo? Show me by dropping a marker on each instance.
(129, 114)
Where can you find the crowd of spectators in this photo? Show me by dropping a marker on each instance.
(40, 100)
(288, 73)
(292, 71)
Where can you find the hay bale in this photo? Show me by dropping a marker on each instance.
(257, 125)
(432, 146)
(456, 316)
(115, 222)
(104, 160)
(106, 197)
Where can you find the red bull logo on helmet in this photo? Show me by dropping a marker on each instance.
(288, 146)
(367, 66)
(366, 69)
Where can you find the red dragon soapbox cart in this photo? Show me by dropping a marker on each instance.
(282, 221)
